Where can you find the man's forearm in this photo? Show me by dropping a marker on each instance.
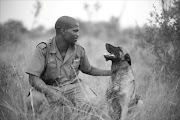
(39, 84)
(99, 72)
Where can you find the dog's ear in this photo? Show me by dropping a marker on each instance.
(127, 58)
(120, 49)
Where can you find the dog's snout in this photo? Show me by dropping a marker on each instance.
(107, 44)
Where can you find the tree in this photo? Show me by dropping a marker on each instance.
(163, 36)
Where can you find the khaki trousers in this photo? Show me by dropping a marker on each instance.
(75, 97)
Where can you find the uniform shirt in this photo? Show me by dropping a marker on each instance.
(48, 64)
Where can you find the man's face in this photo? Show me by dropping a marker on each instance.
(72, 34)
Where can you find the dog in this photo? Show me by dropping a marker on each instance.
(121, 91)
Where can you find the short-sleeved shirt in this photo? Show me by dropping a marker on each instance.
(48, 64)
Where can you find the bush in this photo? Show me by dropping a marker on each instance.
(161, 35)
(11, 32)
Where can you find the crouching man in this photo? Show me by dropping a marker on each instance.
(53, 70)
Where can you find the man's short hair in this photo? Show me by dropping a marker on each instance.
(66, 22)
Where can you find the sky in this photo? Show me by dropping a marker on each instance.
(132, 12)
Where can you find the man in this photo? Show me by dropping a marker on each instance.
(55, 65)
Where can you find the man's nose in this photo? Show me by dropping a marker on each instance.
(77, 34)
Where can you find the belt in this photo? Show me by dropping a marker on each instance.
(58, 83)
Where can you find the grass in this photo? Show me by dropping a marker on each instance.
(12, 97)
(160, 100)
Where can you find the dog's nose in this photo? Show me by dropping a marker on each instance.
(107, 44)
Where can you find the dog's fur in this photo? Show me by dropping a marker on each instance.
(121, 90)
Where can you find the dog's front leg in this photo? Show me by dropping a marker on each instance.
(124, 112)
(124, 105)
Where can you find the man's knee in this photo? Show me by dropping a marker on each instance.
(35, 98)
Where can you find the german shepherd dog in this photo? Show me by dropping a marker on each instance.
(121, 90)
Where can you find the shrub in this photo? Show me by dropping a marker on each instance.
(161, 34)
(11, 32)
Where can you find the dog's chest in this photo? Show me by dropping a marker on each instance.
(121, 79)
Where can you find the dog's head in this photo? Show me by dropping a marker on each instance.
(117, 54)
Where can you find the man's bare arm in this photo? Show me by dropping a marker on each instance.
(40, 85)
(99, 72)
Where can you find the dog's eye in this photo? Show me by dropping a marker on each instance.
(127, 58)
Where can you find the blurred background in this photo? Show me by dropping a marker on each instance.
(148, 29)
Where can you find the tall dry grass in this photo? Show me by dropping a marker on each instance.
(15, 85)
(160, 101)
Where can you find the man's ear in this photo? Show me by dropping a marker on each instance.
(127, 58)
(63, 30)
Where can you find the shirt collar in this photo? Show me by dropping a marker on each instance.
(53, 48)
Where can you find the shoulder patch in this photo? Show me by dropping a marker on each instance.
(42, 45)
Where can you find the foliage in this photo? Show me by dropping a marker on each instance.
(11, 32)
(162, 36)
(156, 61)
(103, 30)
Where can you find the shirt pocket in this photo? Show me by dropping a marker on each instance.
(74, 69)
(76, 63)
(51, 69)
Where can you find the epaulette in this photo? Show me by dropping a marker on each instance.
(42, 45)
(77, 44)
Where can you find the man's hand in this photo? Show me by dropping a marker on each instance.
(55, 96)
(39, 85)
